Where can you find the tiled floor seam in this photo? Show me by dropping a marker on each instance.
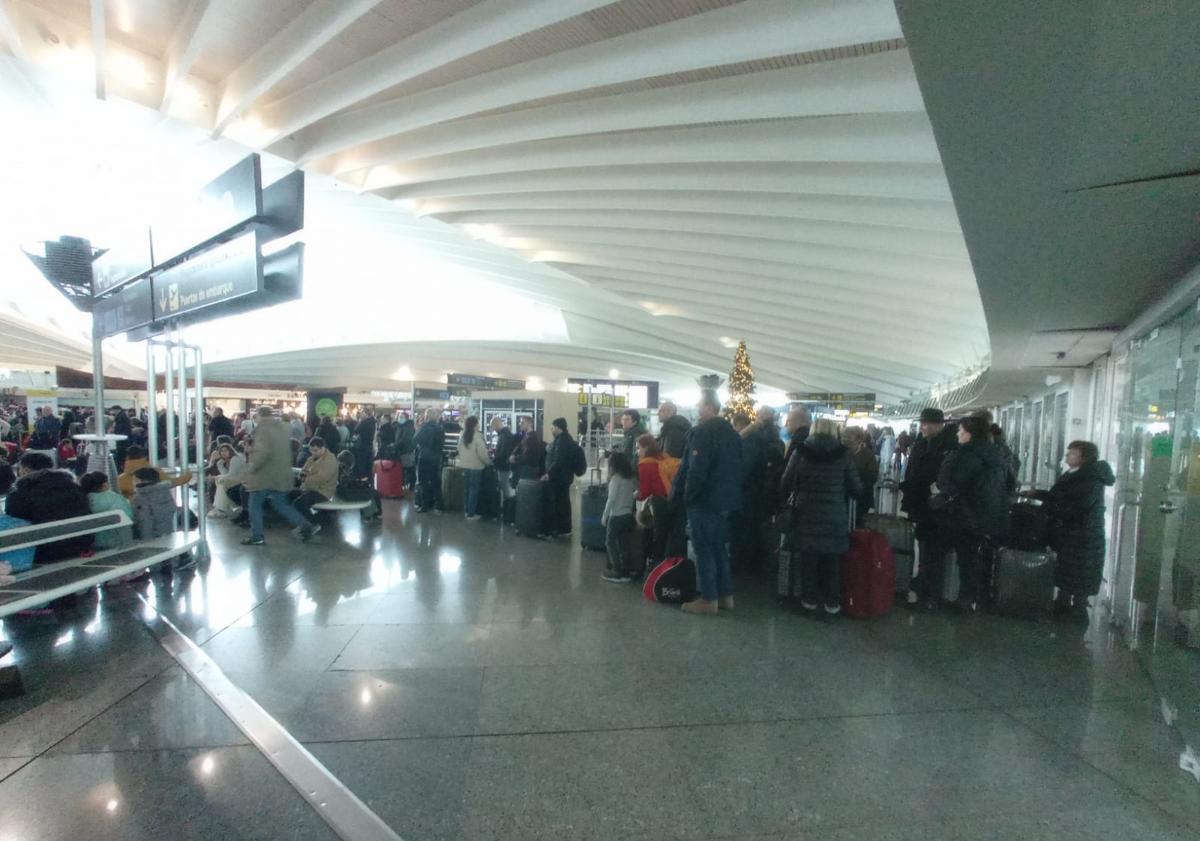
(324, 793)
(651, 727)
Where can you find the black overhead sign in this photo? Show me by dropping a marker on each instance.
(835, 400)
(207, 261)
(226, 203)
(220, 274)
(485, 383)
(125, 259)
(124, 310)
(441, 393)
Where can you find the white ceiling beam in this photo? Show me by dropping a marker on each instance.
(869, 342)
(10, 34)
(881, 83)
(903, 181)
(938, 244)
(754, 29)
(99, 42)
(732, 267)
(475, 29)
(196, 29)
(899, 213)
(885, 306)
(319, 23)
(904, 138)
(923, 270)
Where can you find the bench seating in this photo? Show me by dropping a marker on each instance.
(47, 582)
(342, 505)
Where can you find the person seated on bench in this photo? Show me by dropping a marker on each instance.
(154, 507)
(229, 465)
(43, 495)
(135, 460)
(318, 479)
(102, 498)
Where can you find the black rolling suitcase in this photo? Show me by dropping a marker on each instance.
(592, 533)
(531, 507)
(488, 504)
(1023, 581)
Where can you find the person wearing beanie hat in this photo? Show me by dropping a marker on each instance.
(936, 439)
(563, 460)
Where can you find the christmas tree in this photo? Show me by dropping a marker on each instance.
(741, 385)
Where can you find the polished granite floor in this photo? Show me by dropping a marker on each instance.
(467, 683)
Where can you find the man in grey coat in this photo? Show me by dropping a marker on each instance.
(268, 478)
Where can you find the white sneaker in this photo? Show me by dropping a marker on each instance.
(218, 513)
(808, 605)
(912, 597)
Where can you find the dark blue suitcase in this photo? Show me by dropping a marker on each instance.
(531, 507)
(592, 533)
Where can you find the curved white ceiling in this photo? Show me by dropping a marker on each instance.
(667, 174)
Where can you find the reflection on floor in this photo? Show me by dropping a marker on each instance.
(468, 683)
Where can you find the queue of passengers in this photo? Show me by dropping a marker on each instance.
(731, 488)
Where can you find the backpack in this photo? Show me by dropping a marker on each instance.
(671, 582)
(668, 466)
(581, 464)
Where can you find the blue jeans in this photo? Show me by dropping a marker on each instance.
(710, 537)
(473, 477)
(280, 502)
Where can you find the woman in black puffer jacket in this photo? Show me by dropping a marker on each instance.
(820, 479)
(973, 486)
(1075, 506)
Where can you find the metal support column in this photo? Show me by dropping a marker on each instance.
(151, 404)
(169, 400)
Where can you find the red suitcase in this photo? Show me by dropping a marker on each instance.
(389, 478)
(868, 575)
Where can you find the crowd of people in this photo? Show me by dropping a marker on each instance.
(729, 486)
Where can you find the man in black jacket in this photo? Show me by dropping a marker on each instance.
(218, 426)
(924, 463)
(506, 443)
(429, 442)
(43, 495)
(364, 452)
(672, 435)
(562, 463)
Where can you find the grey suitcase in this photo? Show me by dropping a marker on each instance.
(898, 530)
(1023, 581)
(454, 488)
(950, 577)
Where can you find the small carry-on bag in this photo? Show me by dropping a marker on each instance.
(389, 478)
(509, 510)
(1028, 525)
(592, 533)
(868, 575)
(788, 578)
(671, 582)
(531, 507)
(1024, 581)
